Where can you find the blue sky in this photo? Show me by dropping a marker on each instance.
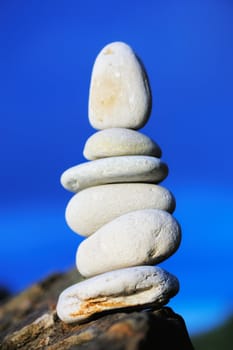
(47, 52)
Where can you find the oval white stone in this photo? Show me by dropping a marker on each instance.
(114, 170)
(90, 209)
(142, 237)
(136, 287)
(119, 142)
(119, 91)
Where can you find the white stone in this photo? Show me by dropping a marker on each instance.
(119, 142)
(119, 91)
(142, 237)
(114, 170)
(135, 287)
(90, 209)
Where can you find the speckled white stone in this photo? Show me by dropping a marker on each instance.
(90, 209)
(119, 91)
(119, 142)
(135, 287)
(142, 237)
(114, 170)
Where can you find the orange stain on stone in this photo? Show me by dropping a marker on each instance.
(107, 94)
(108, 51)
(92, 306)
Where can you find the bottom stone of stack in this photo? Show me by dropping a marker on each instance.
(134, 287)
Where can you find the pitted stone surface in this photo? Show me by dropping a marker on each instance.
(142, 237)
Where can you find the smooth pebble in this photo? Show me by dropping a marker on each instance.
(142, 237)
(137, 287)
(90, 209)
(120, 95)
(119, 142)
(114, 170)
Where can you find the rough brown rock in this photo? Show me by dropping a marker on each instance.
(29, 321)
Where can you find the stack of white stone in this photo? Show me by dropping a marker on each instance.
(118, 205)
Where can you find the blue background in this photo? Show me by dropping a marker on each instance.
(47, 52)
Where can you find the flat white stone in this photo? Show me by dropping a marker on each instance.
(119, 91)
(119, 142)
(114, 170)
(135, 287)
(142, 237)
(93, 207)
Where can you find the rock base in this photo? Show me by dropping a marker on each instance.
(29, 321)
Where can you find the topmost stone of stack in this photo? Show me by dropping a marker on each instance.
(120, 94)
